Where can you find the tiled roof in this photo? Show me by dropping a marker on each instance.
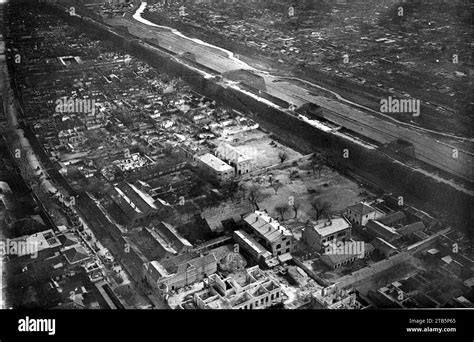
(68, 240)
(267, 227)
(139, 199)
(181, 263)
(171, 234)
(171, 265)
(391, 218)
(76, 254)
(361, 208)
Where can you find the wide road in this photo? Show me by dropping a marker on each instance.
(445, 151)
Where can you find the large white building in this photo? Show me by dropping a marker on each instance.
(215, 167)
(241, 163)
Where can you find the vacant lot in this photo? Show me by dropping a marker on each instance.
(304, 187)
(257, 145)
(295, 182)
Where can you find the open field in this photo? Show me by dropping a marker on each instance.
(257, 145)
(331, 187)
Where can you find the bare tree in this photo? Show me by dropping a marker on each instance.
(276, 185)
(282, 209)
(296, 206)
(320, 168)
(321, 208)
(242, 188)
(317, 164)
(283, 156)
(231, 189)
(255, 195)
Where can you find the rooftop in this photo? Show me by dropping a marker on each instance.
(328, 227)
(214, 163)
(392, 218)
(76, 254)
(229, 152)
(266, 226)
(380, 227)
(250, 241)
(361, 208)
(167, 236)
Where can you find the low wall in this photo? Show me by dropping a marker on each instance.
(319, 280)
(372, 271)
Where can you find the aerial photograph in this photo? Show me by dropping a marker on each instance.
(236, 154)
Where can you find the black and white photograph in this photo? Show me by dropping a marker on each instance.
(309, 162)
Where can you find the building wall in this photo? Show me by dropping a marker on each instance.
(335, 266)
(377, 230)
(246, 247)
(281, 246)
(316, 241)
(151, 275)
(387, 253)
(244, 167)
(264, 300)
(231, 155)
(284, 244)
(359, 219)
(224, 176)
(218, 294)
(189, 276)
(221, 177)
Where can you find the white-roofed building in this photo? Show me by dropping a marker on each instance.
(327, 232)
(269, 232)
(242, 163)
(215, 167)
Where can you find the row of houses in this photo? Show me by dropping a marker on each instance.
(136, 203)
